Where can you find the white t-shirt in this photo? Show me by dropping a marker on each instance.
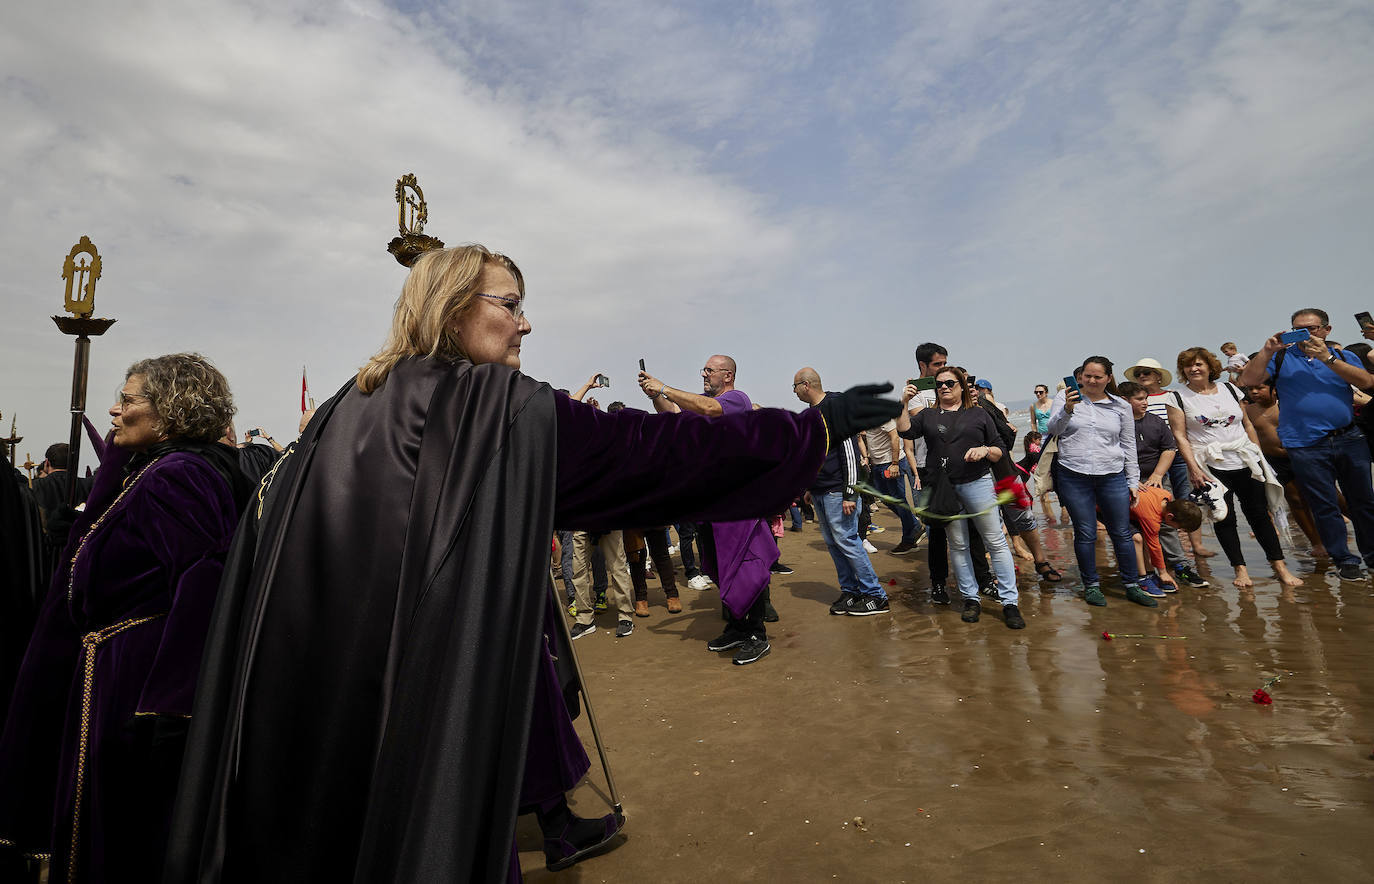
(1214, 418)
(879, 444)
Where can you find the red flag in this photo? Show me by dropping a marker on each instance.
(304, 391)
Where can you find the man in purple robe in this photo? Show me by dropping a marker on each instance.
(739, 554)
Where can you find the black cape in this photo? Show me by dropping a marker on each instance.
(397, 561)
(23, 576)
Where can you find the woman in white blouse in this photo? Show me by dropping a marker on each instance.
(1097, 475)
(1218, 443)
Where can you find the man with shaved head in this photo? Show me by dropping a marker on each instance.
(836, 504)
(738, 554)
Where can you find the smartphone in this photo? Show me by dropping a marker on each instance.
(1289, 338)
(1364, 319)
(252, 433)
(1071, 383)
(973, 380)
(922, 383)
(603, 381)
(641, 365)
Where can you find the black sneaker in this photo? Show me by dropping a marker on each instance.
(1351, 571)
(600, 603)
(1011, 615)
(779, 568)
(972, 611)
(990, 590)
(725, 641)
(866, 605)
(581, 629)
(1191, 577)
(841, 604)
(770, 613)
(939, 595)
(905, 546)
(751, 651)
(624, 628)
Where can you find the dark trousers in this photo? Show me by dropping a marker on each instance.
(656, 540)
(686, 535)
(1242, 486)
(937, 549)
(1340, 459)
(894, 487)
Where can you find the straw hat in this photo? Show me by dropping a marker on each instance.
(1165, 379)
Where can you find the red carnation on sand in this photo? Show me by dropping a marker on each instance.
(1106, 636)
(892, 582)
(1262, 696)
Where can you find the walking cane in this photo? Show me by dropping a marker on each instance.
(587, 703)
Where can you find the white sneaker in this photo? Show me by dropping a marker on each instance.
(870, 547)
(701, 581)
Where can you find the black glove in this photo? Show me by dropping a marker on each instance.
(857, 409)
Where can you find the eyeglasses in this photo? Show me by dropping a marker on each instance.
(127, 399)
(946, 385)
(709, 370)
(796, 384)
(515, 306)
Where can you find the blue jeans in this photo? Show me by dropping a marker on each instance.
(895, 487)
(1088, 497)
(841, 536)
(795, 512)
(976, 496)
(1339, 458)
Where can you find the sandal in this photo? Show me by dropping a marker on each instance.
(1048, 572)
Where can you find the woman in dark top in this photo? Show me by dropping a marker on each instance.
(963, 443)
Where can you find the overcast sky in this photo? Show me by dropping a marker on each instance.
(789, 183)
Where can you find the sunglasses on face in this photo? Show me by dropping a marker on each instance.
(946, 385)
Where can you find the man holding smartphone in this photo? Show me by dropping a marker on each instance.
(1312, 380)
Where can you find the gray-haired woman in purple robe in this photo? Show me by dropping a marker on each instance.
(92, 743)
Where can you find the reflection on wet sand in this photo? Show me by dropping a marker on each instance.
(973, 752)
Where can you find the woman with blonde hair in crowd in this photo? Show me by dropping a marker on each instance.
(1218, 443)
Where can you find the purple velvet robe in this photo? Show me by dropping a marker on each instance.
(113, 658)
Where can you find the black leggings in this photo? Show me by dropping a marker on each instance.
(1240, 484)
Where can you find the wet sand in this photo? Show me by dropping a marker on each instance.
(915, 747)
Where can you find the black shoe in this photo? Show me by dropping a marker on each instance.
(841, 604)
(580, 839)
(990, 590)
(1351, 571)
(624, 628)
(725, 641)
(972, 611)
(751, 651)
(794, 527)
(866, 605)
(1011, 615)
(581, 629)
(770, 613)
(779, 568)
(939, 595)
(905, 546)
(1191, 577)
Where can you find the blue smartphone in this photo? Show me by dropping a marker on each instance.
(1071, 383)
(1289, 338)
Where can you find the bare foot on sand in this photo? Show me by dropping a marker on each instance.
(1242, 577)
(1286, 577)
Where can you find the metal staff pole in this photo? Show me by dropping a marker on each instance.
(80, 303)
(586, 701)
